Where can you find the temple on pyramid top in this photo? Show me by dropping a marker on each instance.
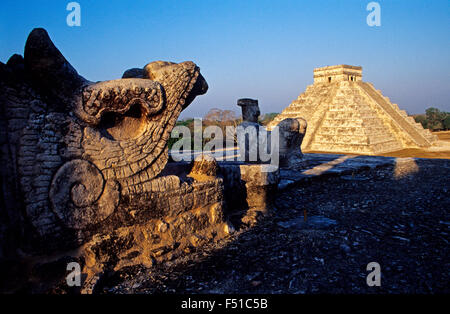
(335, 73)
(346, 115)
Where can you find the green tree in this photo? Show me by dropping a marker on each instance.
(435, 118)
(446, 123)
(422, 119)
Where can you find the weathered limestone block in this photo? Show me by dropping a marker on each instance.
(261, 182)
(162, 225)
(250, 109)
(252, 137)
(204, 168)
(291, 134)
(250, 188)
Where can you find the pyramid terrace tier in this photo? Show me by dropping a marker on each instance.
(353, 117)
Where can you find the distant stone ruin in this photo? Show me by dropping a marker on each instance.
(346, 115)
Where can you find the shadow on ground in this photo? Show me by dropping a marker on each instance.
(397, 216)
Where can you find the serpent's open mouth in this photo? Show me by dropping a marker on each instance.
(125, 126)
(128, 122)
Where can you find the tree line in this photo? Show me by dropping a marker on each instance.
(434, 119)
(220, 118)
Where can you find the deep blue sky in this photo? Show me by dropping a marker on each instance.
(251, 48)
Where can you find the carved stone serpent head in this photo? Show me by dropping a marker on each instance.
(78, 148)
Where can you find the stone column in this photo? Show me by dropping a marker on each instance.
(248, 130)
(292, 131)
(250, 109)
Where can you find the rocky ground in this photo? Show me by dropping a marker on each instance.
(398, 216)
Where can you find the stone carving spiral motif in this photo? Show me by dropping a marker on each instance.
(80, 196)
(77, 155)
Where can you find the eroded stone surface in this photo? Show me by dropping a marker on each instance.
(251, 136)
(371, 225)
(250, 188)
(204, 168)
(292, 132)
(250, 109)
(82, 146)
(80, 160)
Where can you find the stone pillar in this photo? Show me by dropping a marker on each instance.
(248, 131)
(292, 131)
(250, 109)
(249, 190)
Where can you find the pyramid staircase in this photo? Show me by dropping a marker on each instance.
(353, 117)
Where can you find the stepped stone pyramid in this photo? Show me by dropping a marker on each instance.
(347, 115)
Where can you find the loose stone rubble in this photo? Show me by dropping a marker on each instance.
(386, 213)
(347, 115)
